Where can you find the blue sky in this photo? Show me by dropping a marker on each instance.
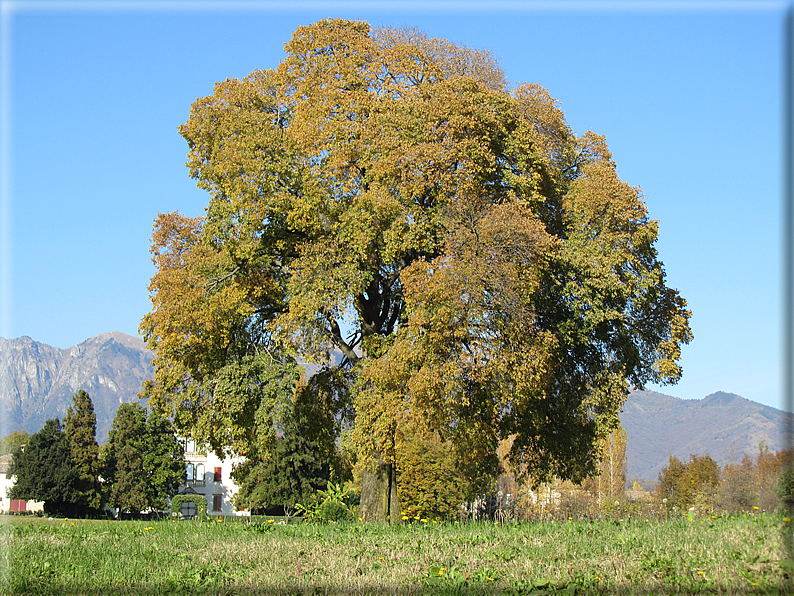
(688, 95)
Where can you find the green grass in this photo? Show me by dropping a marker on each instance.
(735, 555)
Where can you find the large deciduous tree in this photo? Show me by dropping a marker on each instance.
(482, 270)
(10, 442)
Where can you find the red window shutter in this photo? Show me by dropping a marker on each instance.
(217, 502)
(218, 474)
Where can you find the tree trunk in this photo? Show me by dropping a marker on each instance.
(379, 500)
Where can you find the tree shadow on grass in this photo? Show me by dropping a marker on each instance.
(58, 588)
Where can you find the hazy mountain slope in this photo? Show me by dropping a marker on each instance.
(723, 425)
(37, 381)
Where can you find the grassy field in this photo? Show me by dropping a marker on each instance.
(686, 555)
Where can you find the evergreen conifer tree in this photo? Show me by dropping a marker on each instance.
(44, 472)
(123, 460)
(163, 461)
(292, 472)
(80, 430)
(143, 461)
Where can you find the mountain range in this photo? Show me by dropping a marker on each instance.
(37, 383)
(722, 425)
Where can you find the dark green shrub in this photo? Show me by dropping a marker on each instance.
(333, 511)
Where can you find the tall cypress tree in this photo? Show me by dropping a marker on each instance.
(80, 430)
(123, 469)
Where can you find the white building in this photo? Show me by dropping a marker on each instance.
(208, 475)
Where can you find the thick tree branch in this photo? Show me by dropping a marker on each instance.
(335, 334)
(219, 280)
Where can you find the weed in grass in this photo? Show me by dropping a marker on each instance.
(441, 580)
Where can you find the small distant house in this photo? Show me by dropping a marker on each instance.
(6, 482)
(206, 474)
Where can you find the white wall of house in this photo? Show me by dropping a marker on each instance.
(6, 482)
(209, 475)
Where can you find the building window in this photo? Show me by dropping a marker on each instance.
(218, 474)
(188, 445)
(217, 502)
(195, 474)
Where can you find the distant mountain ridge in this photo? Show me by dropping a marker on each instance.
(37, 381)
(723, 425)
